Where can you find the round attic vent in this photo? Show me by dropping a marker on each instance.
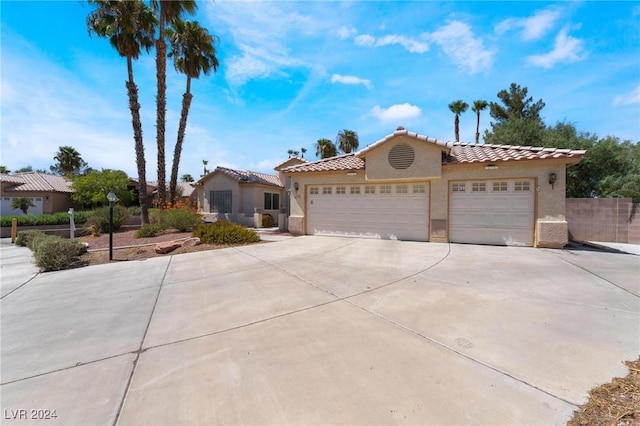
(401, 156)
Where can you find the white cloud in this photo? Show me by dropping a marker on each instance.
(466, 51)
(534, 27)
(630, 98)
(396, 112)
(409, 44)
(345, 32)
(566, 49)
(350, 79)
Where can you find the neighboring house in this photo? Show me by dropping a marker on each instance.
(184, 190)
(407, 186)
(49, 193)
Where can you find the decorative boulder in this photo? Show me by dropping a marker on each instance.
(191, 242)
(167, 246)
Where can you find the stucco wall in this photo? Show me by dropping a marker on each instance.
(604, 219)
(52, 202)
(219, 182)
(427, 162)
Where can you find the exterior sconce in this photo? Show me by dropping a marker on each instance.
(490, 167)
(552, 179)
(295, 186)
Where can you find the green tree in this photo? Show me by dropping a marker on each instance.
(303, 151)
(130, 26)
(186, 178)
(168, 12)
(23, 204)
(4, 170)
(91, 189)
(68, 162)
(478, 106)
(457, 107)
(193, 53)
(325, 148)
(347, 141)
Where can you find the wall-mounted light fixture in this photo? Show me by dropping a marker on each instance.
(490, 167)
(552, 179)
(295, 186)
(352, 173)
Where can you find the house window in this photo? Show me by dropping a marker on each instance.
(385, 189)
(327, 189)
(402, 189)
(478, 187)
(369, 189)
(419, 189)
(354, 190)
(458, 187)
(313, 191)
(522, 186)
(500, 187)
(221, 201)
(271, 201)
(341, 190)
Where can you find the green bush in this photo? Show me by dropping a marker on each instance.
(183, 219)
(53, 253)
(100, 218)
(149, 230)
(223, 232)
(24, 238)
(60, 218)
(134, 210)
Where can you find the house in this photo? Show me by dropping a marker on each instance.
(49, 193)
(408, 186)
(243, 197)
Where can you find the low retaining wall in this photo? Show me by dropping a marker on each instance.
(615, 220)
(64, 231)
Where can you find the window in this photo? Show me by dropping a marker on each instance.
(271, 201)
(354, 190)
(341, 190)
(385, 189)
(458, 187)
(419, 189)
(313, 191)
(327, 190)
(221, 201)
(369, 189)
(522, 186)
(478, 187)
(402, 189)
(500, 187)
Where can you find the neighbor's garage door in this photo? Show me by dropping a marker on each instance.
(390, 211)
(5, 206)
(497, 212)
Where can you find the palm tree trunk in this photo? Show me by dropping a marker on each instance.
(186, 103)
(134, 106)
(161, 103)
(456, 124)
(478, 128)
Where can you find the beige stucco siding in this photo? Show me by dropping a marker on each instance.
(427, 161)
(219, 182)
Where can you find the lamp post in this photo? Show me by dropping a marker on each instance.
(112, 199)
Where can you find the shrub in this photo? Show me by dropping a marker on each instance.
(100, 218)
(223, 232)
(267, 221)
(134, 210)
(53, 253)
(182, 218)
(149, 230)
(59, 218)
(24, 238)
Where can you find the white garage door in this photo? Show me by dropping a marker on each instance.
(389, 211)
(499, 212)
(5, 206)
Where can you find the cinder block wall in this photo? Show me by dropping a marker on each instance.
(603, 219)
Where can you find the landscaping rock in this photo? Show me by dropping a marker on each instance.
(191, 242)
(167, 246)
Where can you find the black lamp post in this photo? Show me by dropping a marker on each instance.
(112, 199)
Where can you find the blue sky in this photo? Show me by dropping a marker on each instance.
(294, 72)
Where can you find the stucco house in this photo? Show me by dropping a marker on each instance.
(49, 193)
(408, 186)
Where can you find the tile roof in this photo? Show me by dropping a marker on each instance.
(187, 188)
(279, 166)
(469, 153)
(251, 177)
(340, 162)
(37, 182)
(400, 131)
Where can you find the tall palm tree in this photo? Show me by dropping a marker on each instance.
(193, 52)
(325, 148)
(69, 162)
(478, 106)
(347, 141)
(303, 150)
(458, 107)
(130, 26)
(168, 11)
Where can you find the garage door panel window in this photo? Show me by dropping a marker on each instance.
(522, 186)
(419, 189)
(478, 187)
(500, 187)
(327, 190)
(402, 189)
(341, 190)
(313, 191)
(369, 189)
(385, 189)
(354, 190)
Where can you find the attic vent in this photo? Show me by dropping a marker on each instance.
(401, 156)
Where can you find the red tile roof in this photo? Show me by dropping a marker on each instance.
(251, 177)
(400, 132)
(469, 153)
(37, 182)
(341, 162)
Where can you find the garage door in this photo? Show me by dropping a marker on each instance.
(390, 211)
(499, 212)
(5, 206)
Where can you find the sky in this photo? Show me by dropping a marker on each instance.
(294, 72)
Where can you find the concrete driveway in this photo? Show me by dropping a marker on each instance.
(315, 330)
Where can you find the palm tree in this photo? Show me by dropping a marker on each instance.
(193, 52)
(186, 178)
(478, 106)
(129, 25)
(303, 150)
(347, 141)
(23, 204)
(69, 162)
(4, 170)
(325, 148)
(168, 11)
(458, 107)
(204, 167)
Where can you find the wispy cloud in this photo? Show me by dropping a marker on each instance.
(464, 49)
(345, 32)
(533, 27)
(566, 49)
(630, 98)
(350, 79)
(396, 112)
(410, 44)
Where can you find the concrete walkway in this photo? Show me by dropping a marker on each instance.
(315, 330)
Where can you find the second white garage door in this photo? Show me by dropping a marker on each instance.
(389, 211)
(499, 212)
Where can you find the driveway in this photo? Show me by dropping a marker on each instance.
(315, 330)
